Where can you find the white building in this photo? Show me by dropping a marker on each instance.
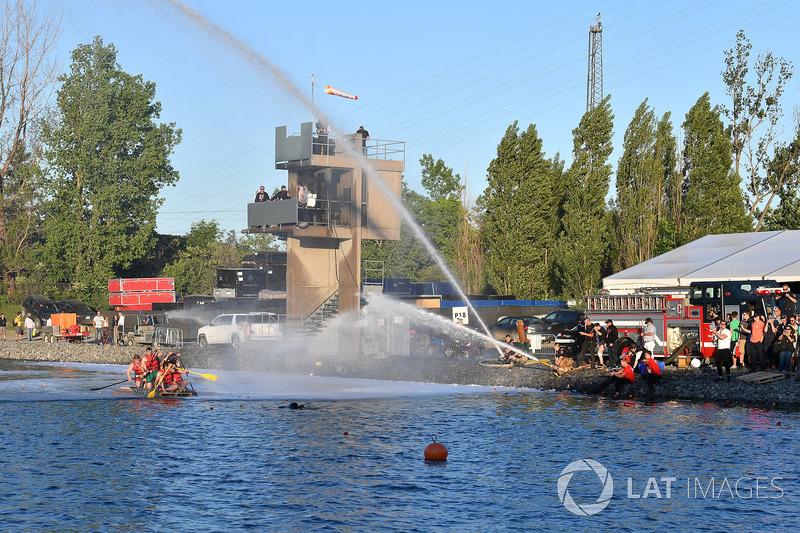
(735, 256)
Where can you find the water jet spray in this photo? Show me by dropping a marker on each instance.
(260, 63)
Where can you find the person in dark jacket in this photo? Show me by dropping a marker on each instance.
(611, 337)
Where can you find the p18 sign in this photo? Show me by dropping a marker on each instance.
(460, 315)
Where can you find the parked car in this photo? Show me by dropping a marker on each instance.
(84, 313)
(558, 321)
(40, 307)
(233, 329)
(507, 325)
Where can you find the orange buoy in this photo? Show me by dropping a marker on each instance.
(435, 451)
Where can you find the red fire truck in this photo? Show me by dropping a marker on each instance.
(682, 318)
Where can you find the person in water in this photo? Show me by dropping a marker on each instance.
(293, 405)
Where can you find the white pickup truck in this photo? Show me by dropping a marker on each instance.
(234, 329)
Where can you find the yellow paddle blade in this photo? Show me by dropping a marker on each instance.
(210, 377)
(151, 394)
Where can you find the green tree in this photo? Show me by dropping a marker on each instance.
(469, 259)
(438, 213)
(784, 169)
(20, 221)
(754, 113)
(109, 159)
(644, 175)
(520, 211)
(207, 249)
(667, 148)
(405, 258)
(583, 244)
(27, 72)
(712, 196)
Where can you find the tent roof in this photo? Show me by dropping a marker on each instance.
(735, 256)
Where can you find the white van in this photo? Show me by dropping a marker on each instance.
(233, 329)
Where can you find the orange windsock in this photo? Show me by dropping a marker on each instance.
(336, 92)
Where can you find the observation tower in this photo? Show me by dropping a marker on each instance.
(343, 204)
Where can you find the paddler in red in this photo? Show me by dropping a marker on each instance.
(151, 366)
(173, 380)
(136, 368)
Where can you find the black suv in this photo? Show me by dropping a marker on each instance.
(83, 312)
(563, 319)
(40, 307)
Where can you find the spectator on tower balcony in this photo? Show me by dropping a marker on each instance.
(282, 194)
(261, 195)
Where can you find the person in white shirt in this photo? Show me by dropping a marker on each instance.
(120, 328)
(649, 335)
(98, 327)
(722, 353)
(29, 325)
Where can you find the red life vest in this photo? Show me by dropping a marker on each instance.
(151, 363)
(172, 377)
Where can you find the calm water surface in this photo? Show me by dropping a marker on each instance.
(231, 459)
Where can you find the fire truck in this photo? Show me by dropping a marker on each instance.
(683, 318)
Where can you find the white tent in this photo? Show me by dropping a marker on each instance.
(735, 256)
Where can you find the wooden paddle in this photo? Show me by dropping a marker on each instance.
(152, 393)
(107, 386)
(210, 377)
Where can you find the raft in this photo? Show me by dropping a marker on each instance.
(185, 393)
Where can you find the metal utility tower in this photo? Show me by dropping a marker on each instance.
(594, 81)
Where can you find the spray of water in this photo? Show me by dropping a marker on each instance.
(262, 65)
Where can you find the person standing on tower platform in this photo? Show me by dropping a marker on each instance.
(261, 195)
(364, 134)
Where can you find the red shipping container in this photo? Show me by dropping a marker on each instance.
(141, 284)
(140, 298)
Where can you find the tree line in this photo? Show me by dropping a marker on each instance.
(80, 176)
(81, 173)
(542, 229)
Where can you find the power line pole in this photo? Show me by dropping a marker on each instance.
(594, 81)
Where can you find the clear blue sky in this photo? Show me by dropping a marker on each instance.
(445, 77)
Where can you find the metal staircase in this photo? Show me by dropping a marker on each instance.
(316, 320)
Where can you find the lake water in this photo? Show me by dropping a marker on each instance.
(231, 459)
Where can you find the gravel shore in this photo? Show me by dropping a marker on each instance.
(696, 385)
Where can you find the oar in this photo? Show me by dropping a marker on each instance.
(152, 393)
(107, 386)
(210, 377)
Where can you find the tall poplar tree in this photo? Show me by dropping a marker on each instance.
(645, 172)
(667, 150)
(584, 241)
(712, 196)
(520, 215)
(109, 159)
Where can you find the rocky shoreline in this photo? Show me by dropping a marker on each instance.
(694, 385)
